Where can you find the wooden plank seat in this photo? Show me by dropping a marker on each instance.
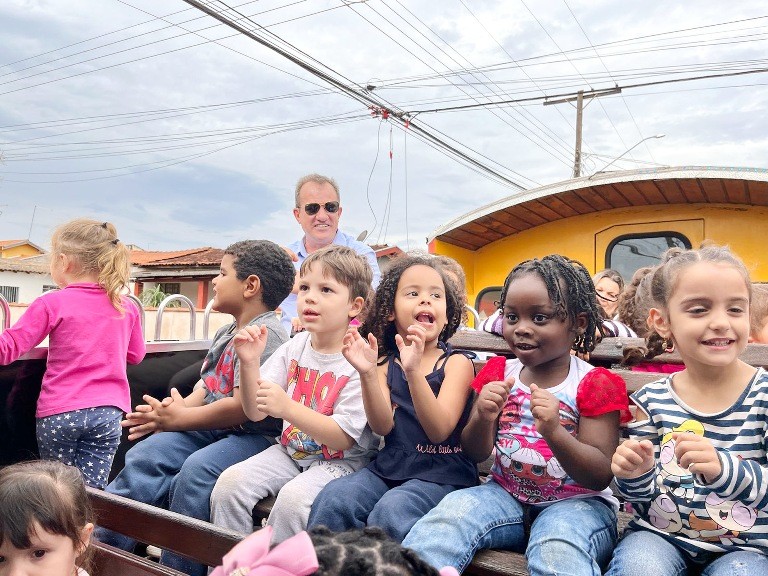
(110, 561)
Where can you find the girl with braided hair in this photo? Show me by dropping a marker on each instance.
(416, 394)
(553, 421)
(93, 331)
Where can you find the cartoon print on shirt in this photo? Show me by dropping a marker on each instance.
(727, 520)
(672, 477)
(223, 379)
(318, 391)
(664, 515)
(536, 472)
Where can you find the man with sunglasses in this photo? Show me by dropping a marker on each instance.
(317, 211)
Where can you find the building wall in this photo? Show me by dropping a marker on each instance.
(30, 284)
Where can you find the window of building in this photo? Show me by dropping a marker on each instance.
(10, 293)
(170, 287)
(628, 253)
(49, 287)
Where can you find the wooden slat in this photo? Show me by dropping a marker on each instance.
(649, 191)
(736, 191)
(692, 190)
(109, 561)
(671, 191)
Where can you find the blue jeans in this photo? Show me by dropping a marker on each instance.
(178, 470)
(645, 553)
(86, 438)
(572, 536)
(364, 499)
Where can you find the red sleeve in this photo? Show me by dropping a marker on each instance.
(493, 371)
(601, 391)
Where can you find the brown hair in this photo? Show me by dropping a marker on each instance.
(97, 250)
(758, 309)
(453, 268)
(345, 266)
(635, 301)
(50, 494)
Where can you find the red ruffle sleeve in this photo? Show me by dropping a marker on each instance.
(601, 391)
(493, 371)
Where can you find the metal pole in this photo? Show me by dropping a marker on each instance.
(579, 113)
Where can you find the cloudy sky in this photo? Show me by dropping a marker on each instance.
(186, 133)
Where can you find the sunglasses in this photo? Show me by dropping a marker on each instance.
(313, 207)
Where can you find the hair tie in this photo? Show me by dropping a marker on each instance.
(252, 557)
(104, 225)
(115, 241)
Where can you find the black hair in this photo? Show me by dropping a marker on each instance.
(571, 290)
(364, 552)
(270, 263)
(377, 320)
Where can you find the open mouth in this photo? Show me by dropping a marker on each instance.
(425, 318)
(310, 314)
(718, 342)
(524, 346)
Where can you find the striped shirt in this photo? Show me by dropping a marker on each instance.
(730, 513)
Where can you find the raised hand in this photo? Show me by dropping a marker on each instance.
(411, 353)
(359, 352)
(697, 454)
(492, 398)
(632, 459)
(250, 343)
(272, 400)
(545, 408)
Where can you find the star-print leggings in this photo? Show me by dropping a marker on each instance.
(86, 438)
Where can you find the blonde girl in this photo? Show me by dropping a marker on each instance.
(695, 466)
(93, 331)
(46, 520)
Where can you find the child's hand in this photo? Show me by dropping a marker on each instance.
(697, 454)
(492, 398)
(272, 400)
(632, 458)
(410, 354)
(359, 352)
(545, 408)
(250, 343)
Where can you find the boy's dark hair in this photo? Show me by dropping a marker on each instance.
(571, 290)
(366, 552)
(270, 263)
(377, 319)
(47, 492)
(345, 266)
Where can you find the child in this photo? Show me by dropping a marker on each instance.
(310, 385)
(416, 395)
(45, 520)
(554, 423)
(320, 552)
(92, 331)
(206, 432)
(695, 466)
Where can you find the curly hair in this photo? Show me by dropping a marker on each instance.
(758, 309)
(270, 263)
(571, 290)
(365, 552)
(377, 320)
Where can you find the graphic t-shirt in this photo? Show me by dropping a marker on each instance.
(327, 384)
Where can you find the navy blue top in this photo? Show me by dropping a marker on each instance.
(408, 453)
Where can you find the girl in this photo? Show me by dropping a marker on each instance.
(695, 466)
(92, 331)
(554, 423)
(416, 395)
(45, 520)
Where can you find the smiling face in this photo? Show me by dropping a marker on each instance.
(707, 315)
(49, 554)
(323, 302)
(319, 229)
(534, 332)
(420, 299)
(608, 292)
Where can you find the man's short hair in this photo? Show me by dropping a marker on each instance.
(317, 179)
(270, 263)
(345, 266)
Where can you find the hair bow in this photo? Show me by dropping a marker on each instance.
(449, 571)
(252, 557)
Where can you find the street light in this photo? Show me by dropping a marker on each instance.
(625, 152)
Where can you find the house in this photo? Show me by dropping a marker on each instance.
(24, 279)
(19, 249)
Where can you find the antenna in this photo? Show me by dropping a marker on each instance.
(362, 236)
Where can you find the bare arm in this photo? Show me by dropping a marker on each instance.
(250, 343)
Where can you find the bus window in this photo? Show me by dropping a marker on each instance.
(487, 301)
(627, 253)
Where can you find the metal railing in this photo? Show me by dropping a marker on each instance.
(207, 319)
(162, 306)
(142, 313)
(6, 313)
(475, 316)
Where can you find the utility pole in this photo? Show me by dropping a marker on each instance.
(579, 98)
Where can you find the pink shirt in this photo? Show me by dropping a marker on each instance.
(89, 343)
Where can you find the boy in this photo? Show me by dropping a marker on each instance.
(207, 431)
(310, 385)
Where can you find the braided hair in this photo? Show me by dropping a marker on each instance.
(571, 290)
(366, 552)
(377, 318)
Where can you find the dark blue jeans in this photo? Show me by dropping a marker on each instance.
(363, 499)
(178, 470)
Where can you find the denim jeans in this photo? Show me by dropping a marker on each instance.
(86, 438)
(645, 553)
(364, 499)
(178, 470)
(572, 536)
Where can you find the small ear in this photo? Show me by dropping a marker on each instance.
(296, 214)
(357, 306)
(581, 323)
(85, 538)
(657, 321)
(252, 286)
